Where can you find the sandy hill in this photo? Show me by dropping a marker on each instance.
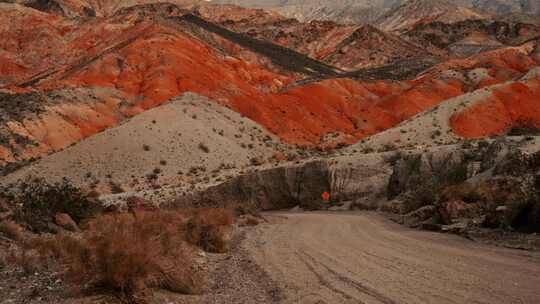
(170, 144)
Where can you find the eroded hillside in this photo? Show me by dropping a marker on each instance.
(141, 56)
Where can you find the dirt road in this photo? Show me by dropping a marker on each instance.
(364, 258)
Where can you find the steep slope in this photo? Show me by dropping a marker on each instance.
(512, 105)
(348, 47)
(491, 110)
(170, 144)
(93, 8)
(414, 12)
(343, 11)
(35, 123)
(369, 47)
(105, 70)
(465, 38)
(354, 11)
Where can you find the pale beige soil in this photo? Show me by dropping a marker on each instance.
(364, 258)
(169, 140)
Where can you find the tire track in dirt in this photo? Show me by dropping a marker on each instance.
(357, 285)
(324, 282)
(363, 258)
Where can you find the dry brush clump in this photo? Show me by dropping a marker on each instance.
(35, 203)
(128, 254)
(123, 253)
(30, 260)
(211, 229)
(11, 230)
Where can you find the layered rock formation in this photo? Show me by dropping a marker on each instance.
(80, 76)
(414, 12)
(353, 11)
(345, 178)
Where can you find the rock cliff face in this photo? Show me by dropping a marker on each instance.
(345, 178)
(372, 177)
(465, 184)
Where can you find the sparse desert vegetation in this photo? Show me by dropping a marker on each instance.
(126, 254)
(36, 202)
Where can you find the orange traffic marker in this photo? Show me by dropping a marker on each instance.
(325, 196)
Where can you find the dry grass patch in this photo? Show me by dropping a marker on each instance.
(129, 254)
(211, 229)
(11, 230)
(36, 202)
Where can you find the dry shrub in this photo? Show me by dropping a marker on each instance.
(204, 148)
(211, 229)
(37, 201)
(248, 220)
(11, 230)
(493, 192)
(28, 259)
(3, 259)
(127, 253)
(252, 221)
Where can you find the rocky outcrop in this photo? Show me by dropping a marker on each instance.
(452, 211)
(65, 221)
(413, 170)
(345, 178)
(271, 189)
(415, 218)
(495, 185)
(468, 37)
(450, 188)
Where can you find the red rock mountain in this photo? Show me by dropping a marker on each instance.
(64, 79)
(348, 47)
